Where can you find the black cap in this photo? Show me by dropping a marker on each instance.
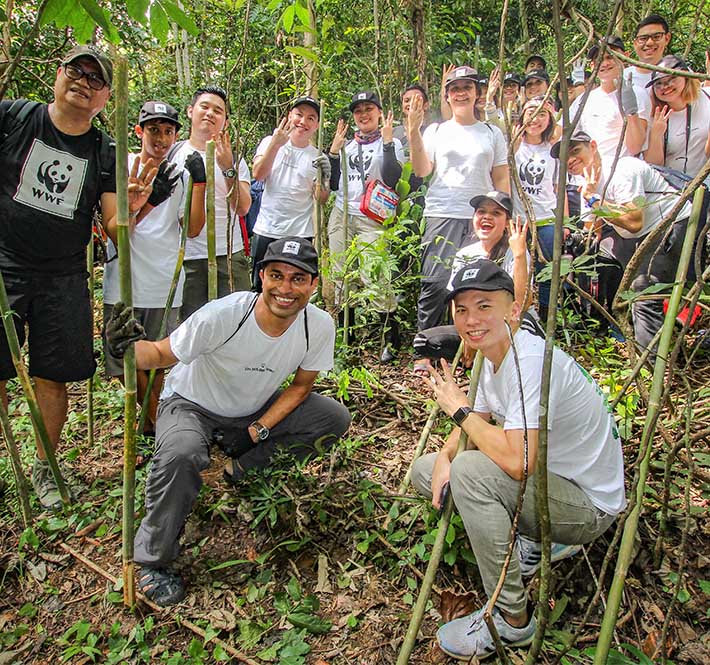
(463, 73)
(501, 198)
(613, 42)
(158, 111)
(537, 74)
(98, 56)
(578, 136)
(669, 62)
(513, 77)
(295, 251)
(535, 56)
(308, 101)
(365, 96)
(481, 275)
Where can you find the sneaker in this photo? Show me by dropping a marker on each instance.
(45, 486)
(469, 636)
(530, 554)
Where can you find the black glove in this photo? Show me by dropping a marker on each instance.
(435, 343)
(195, 166)
(164, 184)
(122, 329)
(239, 443)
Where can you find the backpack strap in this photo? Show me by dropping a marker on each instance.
(173, 149)
(16, 116)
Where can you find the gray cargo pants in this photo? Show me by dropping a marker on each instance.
(184, 432)
(485, 497)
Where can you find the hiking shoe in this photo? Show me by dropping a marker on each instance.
(469, 636)
(530, 554)
(45, 486)
(161, 585)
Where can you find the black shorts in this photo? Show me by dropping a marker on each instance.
(57, 313)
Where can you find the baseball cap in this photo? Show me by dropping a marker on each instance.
(500, 198)
(158, 111)
(513, 77)
(365, 96)
(612, 42)
(308, 101)
(99, 57)
(535, 56)
(669, 62)
(295, 251)
(537, 74)
(481, 275)
(578, 136)
(463, 73)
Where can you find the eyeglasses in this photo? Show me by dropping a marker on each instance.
(664, 82)
(95, 81)
(654, 37)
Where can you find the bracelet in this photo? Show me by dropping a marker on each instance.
(133, 215)
(334, 156)
(594, 198)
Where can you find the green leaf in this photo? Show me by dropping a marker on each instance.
(704, 586)
(450, 535)
(159, 24)
(96, 13)
(180, 17)
(560, 606)
(138, 10)
(311, 622)
(302, 13)
(288, 17)
(303, 52)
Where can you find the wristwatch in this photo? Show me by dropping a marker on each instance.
(230, 173)
(594, 198)
(262, 431)
(461, 414)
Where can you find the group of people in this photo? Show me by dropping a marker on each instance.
(228, 358)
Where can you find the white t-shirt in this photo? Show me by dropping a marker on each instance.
(475, 251)
(583, 442)
(537, 170)
(287, 201)
(634, 178)
(155, 242)
(233, 375)
(602, 120)
(463, 157)
(372, 159)
(676, 153)
(196, 248)
(640, 79)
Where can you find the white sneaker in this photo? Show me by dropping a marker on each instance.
(530, 554)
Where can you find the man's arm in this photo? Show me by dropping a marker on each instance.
(264, 162)
(421, 164)
(501, 178)
(154, 355)
(197, 210)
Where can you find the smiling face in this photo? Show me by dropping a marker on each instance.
(510, 91)
(535, 88)
(407, 99)
(535, 125)
(669, 89)
(580, 156)
(76, 96)
(304, 120)
(157, 136)
(208, 115)
(610, 69)
(286, 289)
(367, 117)
(489, 222)
(651, 42)
(461, 96)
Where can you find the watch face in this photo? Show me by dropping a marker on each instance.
(229, 173)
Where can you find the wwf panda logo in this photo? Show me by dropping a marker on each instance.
(354, 162)
(54, 175)
(533, 171)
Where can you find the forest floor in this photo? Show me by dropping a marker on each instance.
(321, 564)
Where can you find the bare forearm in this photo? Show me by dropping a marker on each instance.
(264, 163)
(241, 197)
(492, 441)
(197, 210)
(654, 152)
(421, 164)
(286, 402)
(154, 355)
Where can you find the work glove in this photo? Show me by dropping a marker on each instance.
(195, 166)
(122, 329)
(578, 72)
(164, 184)
(322, 163)
(628, 97)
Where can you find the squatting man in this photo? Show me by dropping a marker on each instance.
(229, 361)
(585, 463)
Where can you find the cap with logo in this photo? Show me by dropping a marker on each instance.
(365, 96)
(99, 57)
(308, 101)
(537, 75)
(481, 275)
(534, 57)
(513, 77)
(158, 111)
(463, 73)
(578, 136)
(500, 198)
(295, 251)
(669, 62)
(613, 42)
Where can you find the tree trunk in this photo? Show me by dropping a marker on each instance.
(310, 41)
(419, 50)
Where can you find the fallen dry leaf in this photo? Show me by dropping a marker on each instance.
(455, 605)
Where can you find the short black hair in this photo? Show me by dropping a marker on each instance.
(211, 90)
(416, 86)
(652, 19)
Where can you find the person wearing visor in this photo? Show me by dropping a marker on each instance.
(229, 362)
(585, 460)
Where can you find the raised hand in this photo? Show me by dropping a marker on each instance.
(518, 236)
(578, 72)
(163, 184)
(223, 150)
(282, 133)
(140, 186)
(387, 127)
(659, 119)
(195, 166)
(493, 84)
(591, 180)
(446, 391)
(628, 97)
(415, 118)
(341, 132)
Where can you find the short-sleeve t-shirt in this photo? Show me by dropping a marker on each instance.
(196, 248)
(370, 158)
(463, 158)
(685, 149)
(537, 170)
(233, 375)
(287, 201)
(583, 442)
(155, 242)
(51, 184)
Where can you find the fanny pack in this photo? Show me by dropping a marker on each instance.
(378, 200)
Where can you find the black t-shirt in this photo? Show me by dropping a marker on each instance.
(51, 183)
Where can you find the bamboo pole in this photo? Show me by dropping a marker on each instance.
(652, 414)
(129, 358)
(23, 490)
(212, 285)
(318, 230)
(437, 549)
(169, 302)
(90, 380)
(346, 286)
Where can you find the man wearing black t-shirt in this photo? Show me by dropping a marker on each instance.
(56, 169)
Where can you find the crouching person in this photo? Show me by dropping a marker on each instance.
(585, 463)
(231, 358)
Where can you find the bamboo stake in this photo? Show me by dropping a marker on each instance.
(346, 286)
(212, 285)
(652, 414)
(21, 483)
(169, 302)
(42, 437)
(318, 230)
(90, 380)
(438, 547)
(129, 358)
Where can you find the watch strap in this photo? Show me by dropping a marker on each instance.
(461, 414)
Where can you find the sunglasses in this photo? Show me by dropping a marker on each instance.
(95, 81)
